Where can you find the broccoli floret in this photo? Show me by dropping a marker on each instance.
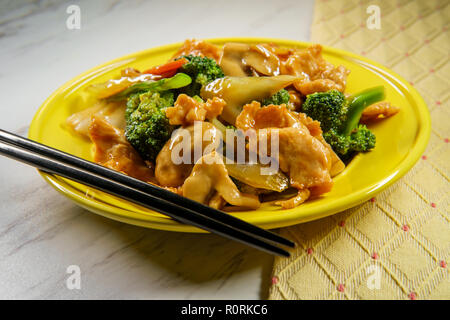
(147, 127)
(329, 108)
(278, 98)
(339, 118)
(362, 139)
(202, 70)
(339, 143)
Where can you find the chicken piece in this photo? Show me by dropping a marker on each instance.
(208, 175)
(216, 201)
(112, 150)
(186, 110)
(303, 157)
(255, 117)
(378, 111)
(295, 100)
(336, 74)
(310, 64)
(302, 196)
(303, 153)
(307, 62)
(337, 166)
(112, 112)
(176, 190)
(313, 125)
(199, 48)
(246, 119)
(319, 85)
(172, 174)
(282, 53)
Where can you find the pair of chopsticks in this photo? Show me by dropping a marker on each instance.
(184, 210)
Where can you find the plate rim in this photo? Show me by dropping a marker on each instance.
(286, 219)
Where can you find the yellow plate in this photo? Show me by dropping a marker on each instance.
(400, 141)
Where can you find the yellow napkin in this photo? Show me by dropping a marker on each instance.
(395, 246)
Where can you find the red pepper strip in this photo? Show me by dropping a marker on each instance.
(168, 74)
(168, 67)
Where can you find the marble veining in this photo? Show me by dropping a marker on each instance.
(42, 232)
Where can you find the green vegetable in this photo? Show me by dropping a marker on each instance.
(329, 108)
(358, 103)
(338, 142)
(177, 81)
(202, 70)
(281, 97)
(198, 99)
(147, 127)
(250, 173)
(339, 119)
(362, 139)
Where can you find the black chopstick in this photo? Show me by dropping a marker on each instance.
(142, 186)
(181, 214)
(155, 198)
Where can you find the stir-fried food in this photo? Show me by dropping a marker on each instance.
(209, 175)
(378, 111)
(113, 151)
(172, 173)
(228, 125)
(187, 110)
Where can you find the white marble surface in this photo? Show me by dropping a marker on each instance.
(42, 232)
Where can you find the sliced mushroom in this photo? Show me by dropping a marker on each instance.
(240, 60)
